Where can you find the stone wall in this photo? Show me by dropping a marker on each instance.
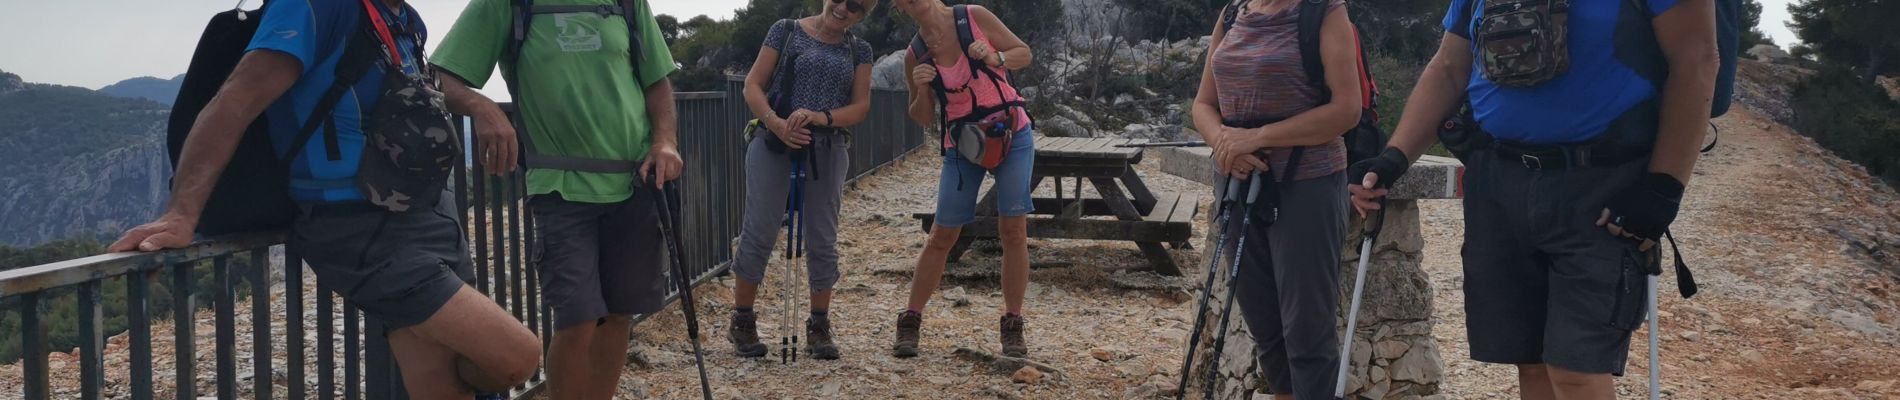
(1394, 355)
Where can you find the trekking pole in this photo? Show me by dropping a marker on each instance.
(1655, 352)
(1233, 279)
(1191, 143)
(1225, 195)
(674, 251)
(1373, 224)
(794, 216)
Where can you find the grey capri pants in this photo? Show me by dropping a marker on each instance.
(768, 181)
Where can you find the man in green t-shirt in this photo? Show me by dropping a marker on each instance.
(597, 110)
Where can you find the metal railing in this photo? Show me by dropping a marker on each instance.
(312, 365)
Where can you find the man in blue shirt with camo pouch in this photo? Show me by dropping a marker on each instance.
(1584, 119)
(319, 69)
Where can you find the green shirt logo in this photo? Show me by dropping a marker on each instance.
(575, 36)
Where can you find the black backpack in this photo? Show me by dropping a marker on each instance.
(524, 12)
(1728, 31)
(1364, 140)
(253, 192)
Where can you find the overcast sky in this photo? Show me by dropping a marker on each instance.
(93, 43)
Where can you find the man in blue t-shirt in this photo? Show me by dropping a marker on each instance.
(403, 268)
(1569, 182)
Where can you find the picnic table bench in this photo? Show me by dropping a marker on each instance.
(1140, 215)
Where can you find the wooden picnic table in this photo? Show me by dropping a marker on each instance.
(1140, 215)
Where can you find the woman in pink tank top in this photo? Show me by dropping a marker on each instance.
(973, 83)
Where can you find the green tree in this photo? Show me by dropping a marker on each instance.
(669, 28)
(1857, 34)
(1751, 18)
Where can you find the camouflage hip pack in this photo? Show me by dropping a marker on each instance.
(1523, 42)
(410, 146)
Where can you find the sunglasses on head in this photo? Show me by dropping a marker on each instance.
(852, 6)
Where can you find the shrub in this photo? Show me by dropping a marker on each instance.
(1854, 120)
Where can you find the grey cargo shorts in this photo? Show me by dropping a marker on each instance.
(1543, 283)
(598, 259)
(397, 267)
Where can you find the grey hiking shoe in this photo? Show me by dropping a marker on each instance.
(907, 325)
(1013, 344)
(818, 338)
(744, 335)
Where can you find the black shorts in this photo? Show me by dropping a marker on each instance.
(397, 267)
(1543, 283)
(598, 259)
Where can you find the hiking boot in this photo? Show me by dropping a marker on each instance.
(907, 325)
(744, 334)
(818, 338)
(1013, 344)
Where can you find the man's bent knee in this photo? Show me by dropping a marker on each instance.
(496, 378)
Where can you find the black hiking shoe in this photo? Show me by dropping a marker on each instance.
(1013, 344)
(744, 335)
(818, 338)
(907, 325)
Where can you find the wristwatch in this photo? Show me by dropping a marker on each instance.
(828, 118)
(1001, 60)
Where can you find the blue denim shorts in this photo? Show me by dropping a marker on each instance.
(960, 182)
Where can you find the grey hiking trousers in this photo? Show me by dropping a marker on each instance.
(767, 183)
(1290, 302)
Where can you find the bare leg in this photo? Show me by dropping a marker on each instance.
(608, 356)
(1014, 232)
(568, 362)
(1572, 385)
(929, 272)
(428, 368)
(744, 293)
(504, 355)
(821, 300)
(1533, 382)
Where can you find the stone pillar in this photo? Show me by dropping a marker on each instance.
(1394, 354)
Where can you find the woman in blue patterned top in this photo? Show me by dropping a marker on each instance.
(812, 78)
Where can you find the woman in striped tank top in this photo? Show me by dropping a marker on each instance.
(1255, 99)
(972, 82)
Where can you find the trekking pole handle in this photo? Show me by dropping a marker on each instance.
(1228, 189)
(1253, 187)
(1375, 220)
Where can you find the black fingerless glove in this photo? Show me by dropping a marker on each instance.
(1390, 165)
(1647, 207)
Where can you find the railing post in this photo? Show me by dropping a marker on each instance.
(33, 346)
(91, 341)
(293, 321)
(261, 375)
(381, 372)
(326, 342)
(352, 353)
(226, 328)
(138, 319)
(185, 348)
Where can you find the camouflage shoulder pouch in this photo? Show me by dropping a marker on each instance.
(1523, 43)
(410, 147)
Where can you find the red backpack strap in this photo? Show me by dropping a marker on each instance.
(1367, 88)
